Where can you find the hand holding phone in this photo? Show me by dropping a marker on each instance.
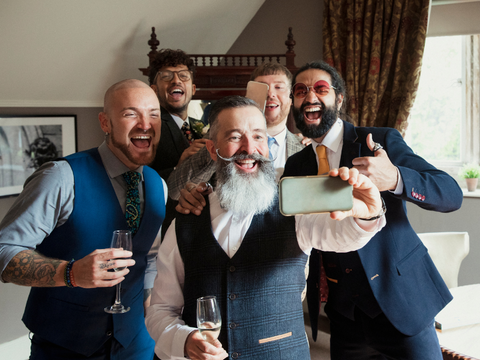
(314, 194)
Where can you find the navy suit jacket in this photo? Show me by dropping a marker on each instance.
(401, 274)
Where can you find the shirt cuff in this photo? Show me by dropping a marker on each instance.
(178, 348)
(399, 189)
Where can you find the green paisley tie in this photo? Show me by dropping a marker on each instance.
(132, 205)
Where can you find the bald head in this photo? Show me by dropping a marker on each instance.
(131, 121)
(121, 85)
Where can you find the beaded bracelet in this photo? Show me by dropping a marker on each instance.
(67, 275)
(72, 279)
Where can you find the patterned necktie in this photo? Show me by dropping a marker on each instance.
(132, 204)
(271, 141)
(323, 168)
(187, 131)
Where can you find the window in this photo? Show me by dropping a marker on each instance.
(443, 124)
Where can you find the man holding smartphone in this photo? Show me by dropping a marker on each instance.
(382, 298)
(244, 252)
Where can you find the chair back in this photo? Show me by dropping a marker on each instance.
(447, 250)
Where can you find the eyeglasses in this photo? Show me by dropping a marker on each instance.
(167, 75)
(321, 88)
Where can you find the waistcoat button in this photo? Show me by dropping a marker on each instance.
(232, 325)
(235, 355)
(109, 333)
(232, 268)
(232, 296)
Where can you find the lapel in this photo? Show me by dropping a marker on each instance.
(351, 149)
(293, 144)
(178, 139)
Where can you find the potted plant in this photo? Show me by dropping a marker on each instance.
(471, 173)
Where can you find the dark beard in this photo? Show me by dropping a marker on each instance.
(329, 117)
(144, 159)
(245, 193)
(175, 110)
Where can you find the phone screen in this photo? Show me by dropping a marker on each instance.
(258, 92)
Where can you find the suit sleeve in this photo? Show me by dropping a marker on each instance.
(423, 184)
(197, 168)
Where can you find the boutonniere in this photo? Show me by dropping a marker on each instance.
(200, 128)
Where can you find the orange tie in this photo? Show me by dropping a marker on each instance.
(323, 167)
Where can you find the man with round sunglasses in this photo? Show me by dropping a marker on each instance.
(383, 298)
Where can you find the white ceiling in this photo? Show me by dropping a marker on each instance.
(56, 53)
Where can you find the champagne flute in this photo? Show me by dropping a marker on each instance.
(209, 320)
(120, 239)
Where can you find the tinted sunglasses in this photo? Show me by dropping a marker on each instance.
(321, 88)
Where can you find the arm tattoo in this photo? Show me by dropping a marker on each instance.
(29, 268)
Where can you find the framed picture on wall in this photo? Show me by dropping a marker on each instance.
(27, 142)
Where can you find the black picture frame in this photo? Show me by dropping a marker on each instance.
(26, 142)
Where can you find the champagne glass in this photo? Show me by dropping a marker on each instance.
(120, 239)
(209, 320)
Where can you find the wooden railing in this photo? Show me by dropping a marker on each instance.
(218, 75)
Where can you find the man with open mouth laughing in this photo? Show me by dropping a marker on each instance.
(56, 237)
(171, 77)
(200, 167)
(382, 299)
(244, 252)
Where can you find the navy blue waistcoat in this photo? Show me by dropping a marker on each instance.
(259, 289)
(74, 318)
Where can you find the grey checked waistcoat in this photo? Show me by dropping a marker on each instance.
(259, 289)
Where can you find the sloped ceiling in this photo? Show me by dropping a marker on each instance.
(56, 53)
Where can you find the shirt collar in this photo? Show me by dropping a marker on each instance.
(333, 139)
(112, 164)
(280, 137)
(178, 120)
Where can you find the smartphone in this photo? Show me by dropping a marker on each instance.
(258, 92)
(314, 194)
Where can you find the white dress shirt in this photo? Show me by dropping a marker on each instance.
(163, 318)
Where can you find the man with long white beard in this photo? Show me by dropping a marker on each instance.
(244, 252)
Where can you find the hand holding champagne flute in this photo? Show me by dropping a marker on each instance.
(120, 239)
(209, 320)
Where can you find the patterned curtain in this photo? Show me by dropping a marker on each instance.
(377, 47)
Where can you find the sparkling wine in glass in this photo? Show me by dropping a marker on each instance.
(209, 320)
(120, 239)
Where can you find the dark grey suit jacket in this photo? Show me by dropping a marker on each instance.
(170, 148)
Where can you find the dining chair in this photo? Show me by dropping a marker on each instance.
(447, 250)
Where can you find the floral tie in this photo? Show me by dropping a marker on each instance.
(187, 131)
(132, 204)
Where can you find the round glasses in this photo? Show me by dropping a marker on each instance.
(167, 75)
(321, 88)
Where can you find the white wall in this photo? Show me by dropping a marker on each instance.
(455, 18)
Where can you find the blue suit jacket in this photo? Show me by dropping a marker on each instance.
(401, 274)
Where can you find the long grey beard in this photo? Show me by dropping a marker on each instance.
(245, 193)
